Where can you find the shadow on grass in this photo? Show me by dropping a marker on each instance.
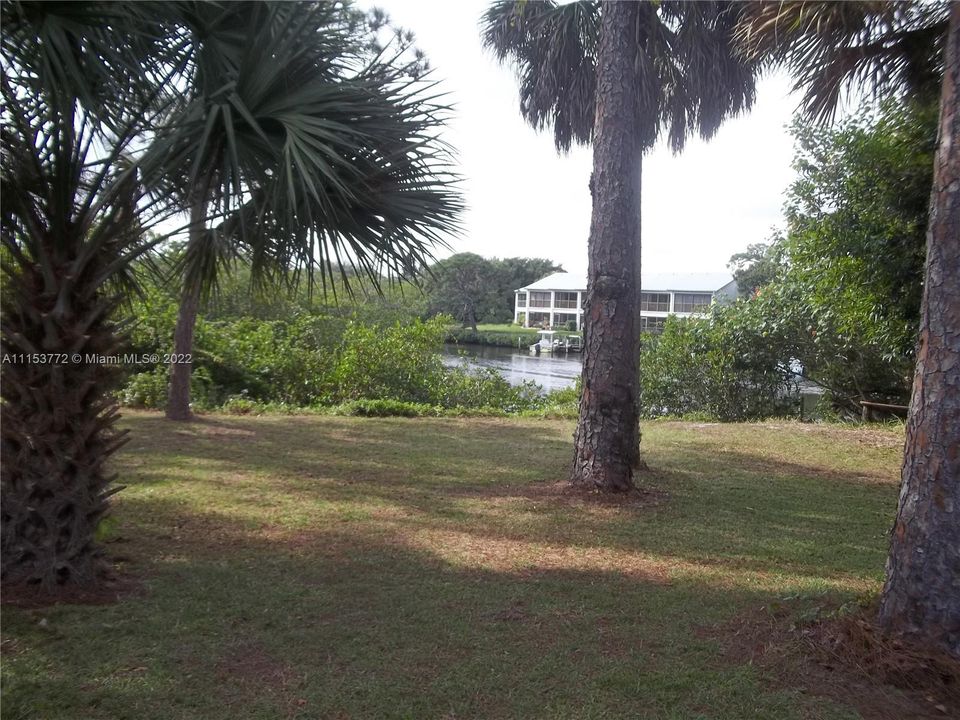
(750, 512)
(332, 622)
(343, 568)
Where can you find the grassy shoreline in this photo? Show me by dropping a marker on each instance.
(502, 335)
(337, 567)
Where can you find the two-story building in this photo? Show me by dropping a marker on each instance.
(558, 299)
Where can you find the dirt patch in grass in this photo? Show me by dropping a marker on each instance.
(248, 671)
(563, 493)
(113, 586)
(10, 647)
(845, 659)
(250, 664)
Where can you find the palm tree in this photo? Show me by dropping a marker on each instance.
(94, 116)
(82, 84)
(297, 144)
(902, 47)
(642, 69)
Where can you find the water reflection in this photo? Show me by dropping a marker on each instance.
(552, 372)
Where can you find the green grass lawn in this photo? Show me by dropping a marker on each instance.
(326, 567)
(505, 328)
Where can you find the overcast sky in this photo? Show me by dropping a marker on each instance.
(524, 199)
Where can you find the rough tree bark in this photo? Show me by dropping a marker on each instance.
(607, 440)
(921, 597)
(57, 416)
(178, 400)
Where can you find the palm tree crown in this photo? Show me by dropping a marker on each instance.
(690, 75)
(307, 150)
(876, 46)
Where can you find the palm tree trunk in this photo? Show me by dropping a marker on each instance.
(921, 597)
(607, 439)
(56, 421)
(178, 400)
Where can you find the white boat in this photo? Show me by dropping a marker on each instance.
(549, 341)
(546, 342)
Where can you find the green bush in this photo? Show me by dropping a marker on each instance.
(398, 362)
(244, 365)
(146, 389)
(565, 396)
(402, 362)
(240, 405)
(149, 389)
(484, 387)
(521, 337)
(482, 411)
(722, 366)
(288, 361)
(561, 404)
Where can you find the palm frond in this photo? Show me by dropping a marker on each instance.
(553, 49)
(309, 154)
(689, 76)
(66, 53)
(832, 48)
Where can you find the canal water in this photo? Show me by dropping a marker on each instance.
(552, 372)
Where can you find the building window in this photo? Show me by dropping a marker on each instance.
(691, 302)
(563, 320)
(655, 302)
(538, 319)
(540, 299)
(521, 299)
(652, 325)
(566, 300)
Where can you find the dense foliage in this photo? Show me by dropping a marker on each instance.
(319, 356)
(474, 289)
(755, 267)
(846, 297)
(834, 301)
(721, 366)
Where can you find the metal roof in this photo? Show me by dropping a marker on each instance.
(649, 282)
(559, 281)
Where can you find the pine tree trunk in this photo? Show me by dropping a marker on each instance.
(178, 400)
(921, 597)
(607, 439)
